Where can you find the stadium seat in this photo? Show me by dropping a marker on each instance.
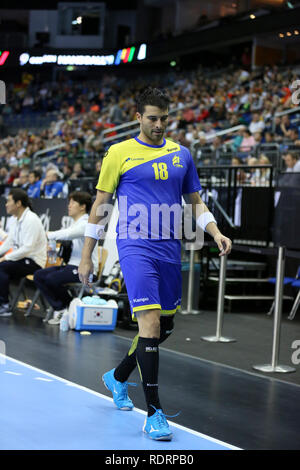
(77, 288)
(37, 294)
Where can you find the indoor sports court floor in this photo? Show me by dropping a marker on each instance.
(52, 396)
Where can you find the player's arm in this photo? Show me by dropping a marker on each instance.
(207, 222)
(93, 232)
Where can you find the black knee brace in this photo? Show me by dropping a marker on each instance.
(166, 327)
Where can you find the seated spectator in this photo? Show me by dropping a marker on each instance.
(50, 185)
(4, 175)
(277, 129)
(13, 174)
(248, 141)
(258, 138)
(182, 139)
(264, 174)
(28, 239)
(210, 133)
(269, 138)
(237, 141)
(51, 281)
(252, 173)
(191, 133)
(98, 166)
(294, 136)
(256, 125)
(286, 126)
(217, 147)
(116, 114)
(292, 162)
(35, 182)
(77, 172)
(67, 172)
(240, 174)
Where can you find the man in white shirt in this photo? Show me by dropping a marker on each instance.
(256, 125)
(292, 163)
(51, 281)
(28, 239)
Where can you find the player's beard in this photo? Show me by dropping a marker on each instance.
(155, 138)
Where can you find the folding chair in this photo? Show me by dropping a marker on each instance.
(78, 288)
(37, 294)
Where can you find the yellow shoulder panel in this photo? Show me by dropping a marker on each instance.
(137, 153)
(126, 155)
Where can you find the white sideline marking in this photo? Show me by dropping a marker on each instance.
(43, 379)
(12, 373)
(85, 389)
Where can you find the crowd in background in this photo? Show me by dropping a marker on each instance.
(202, 105)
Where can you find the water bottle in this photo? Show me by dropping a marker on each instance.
(64, 322)
(52, 251)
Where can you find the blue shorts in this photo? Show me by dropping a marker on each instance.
(152, 284)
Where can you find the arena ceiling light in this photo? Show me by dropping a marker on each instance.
(254, 14)
(78, 20)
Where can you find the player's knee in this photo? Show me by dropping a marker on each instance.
(149, 324)
(166, 327)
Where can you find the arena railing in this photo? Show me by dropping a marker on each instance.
(283, 113)
(37, 154)
(230, 130)
(271, 150)
(226, 188)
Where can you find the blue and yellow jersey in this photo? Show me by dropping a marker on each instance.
(149, 182)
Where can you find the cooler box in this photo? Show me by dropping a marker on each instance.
(92, 317)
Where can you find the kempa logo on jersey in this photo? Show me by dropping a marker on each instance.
(144, 299)
(176, 162)
(172, 150)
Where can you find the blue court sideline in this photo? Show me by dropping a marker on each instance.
(40, 411)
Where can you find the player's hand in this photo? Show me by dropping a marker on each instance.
(85, 271)
(224, 244)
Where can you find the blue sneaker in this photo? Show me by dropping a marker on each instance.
(118, 390)
(156, 426)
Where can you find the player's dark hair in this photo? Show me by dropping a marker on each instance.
(21, 195)
(82, 198)
(153, 97)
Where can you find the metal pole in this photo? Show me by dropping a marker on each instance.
(274, 367)
(189, 308)
(220, 307)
